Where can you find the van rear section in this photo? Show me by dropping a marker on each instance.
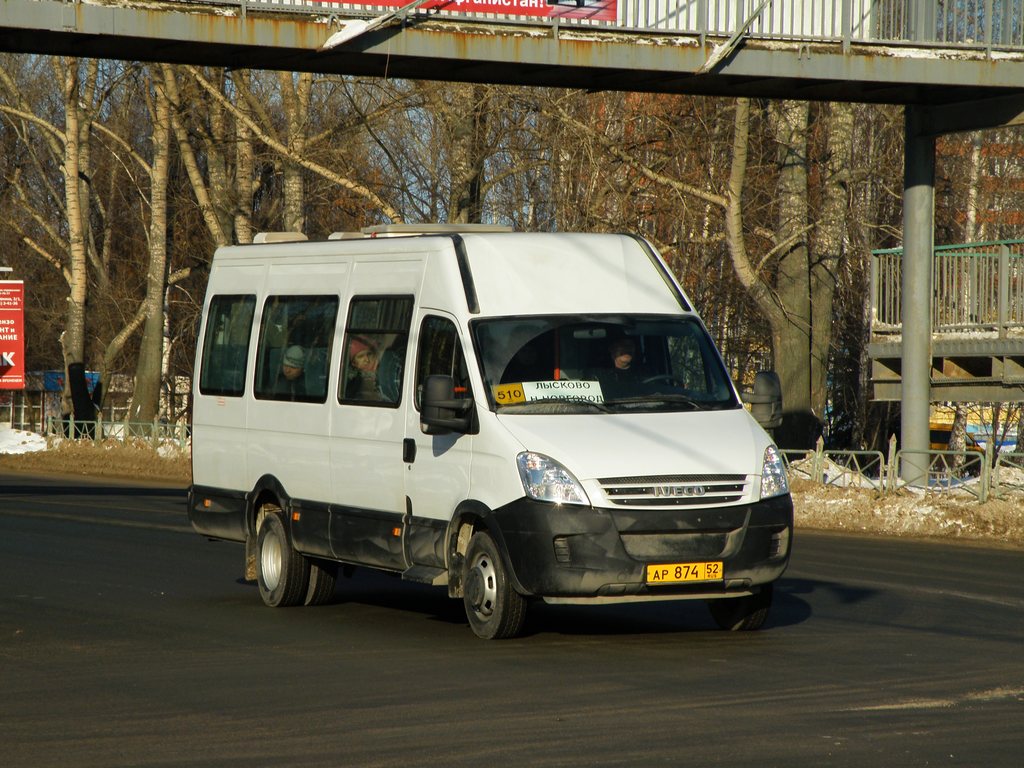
(510, 416)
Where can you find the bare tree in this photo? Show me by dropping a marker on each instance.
(224, 104)
(66, 248)
(145, 401)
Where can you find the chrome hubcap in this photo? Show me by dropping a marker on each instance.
(270, 562)
(482, 585)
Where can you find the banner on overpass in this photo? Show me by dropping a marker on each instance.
(594, 10)
(12, 334)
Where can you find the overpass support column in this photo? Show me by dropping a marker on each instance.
(916, 289)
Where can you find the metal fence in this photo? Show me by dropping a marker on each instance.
(154, 433)
(973, 24)
(981, 285)
(967, 472)
(1008, 474)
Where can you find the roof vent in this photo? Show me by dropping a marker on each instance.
(279, 237)
(398, 230)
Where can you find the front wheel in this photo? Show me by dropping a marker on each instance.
(282, 573)
(494, 609)
(742, 614)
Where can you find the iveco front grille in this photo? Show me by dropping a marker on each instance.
(675, 490)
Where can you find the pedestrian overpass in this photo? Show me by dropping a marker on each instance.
(956, 66)
(872, 51)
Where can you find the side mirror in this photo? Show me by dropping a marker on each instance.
(440, 412)
(766, 399)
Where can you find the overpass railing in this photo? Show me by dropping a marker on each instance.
(973, 24)
(981, 285)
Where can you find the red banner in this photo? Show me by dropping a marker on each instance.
(12, 334)
(595, 10)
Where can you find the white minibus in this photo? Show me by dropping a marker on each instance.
(511, 416)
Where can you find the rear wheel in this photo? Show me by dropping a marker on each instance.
(494, 609)
(742, 614)
(322, 578)
(282, 573)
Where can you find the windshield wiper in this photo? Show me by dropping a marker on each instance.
(668, 399)
(560, 400)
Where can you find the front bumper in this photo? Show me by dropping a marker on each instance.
(572, 553)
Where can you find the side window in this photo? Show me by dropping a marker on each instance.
(441, 355)
(294, 351)
(376, 338)
(228, 328)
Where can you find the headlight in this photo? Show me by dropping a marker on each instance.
(545, 479)
(773, 474)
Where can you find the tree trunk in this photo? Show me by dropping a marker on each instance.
(217, 144)
(801, 425)
(295, 93)
(73, 337)
(220, 234)
(245, 167)
(145, 402)
(466, 123)
(829, 247)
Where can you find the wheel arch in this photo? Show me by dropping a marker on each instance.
(472, 516)
(267, 490)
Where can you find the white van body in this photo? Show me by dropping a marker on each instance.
(511, 484)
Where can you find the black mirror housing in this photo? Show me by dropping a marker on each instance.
(440, 412)
(766, 399)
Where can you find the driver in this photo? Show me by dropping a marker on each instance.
(624, 377)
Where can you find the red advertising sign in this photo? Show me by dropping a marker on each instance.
(595, 10)
(12, 334)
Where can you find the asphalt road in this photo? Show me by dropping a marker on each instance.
(125, 639)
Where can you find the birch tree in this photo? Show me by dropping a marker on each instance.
(149, 371)
(66, 244)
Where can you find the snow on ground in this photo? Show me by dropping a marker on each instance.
(17, 441)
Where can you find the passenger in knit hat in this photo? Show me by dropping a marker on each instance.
(362, 360)
(362, 354)
(294, 357)
(290, 384)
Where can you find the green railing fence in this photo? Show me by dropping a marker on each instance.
(981, 286)
(155, 433)
(969, 472)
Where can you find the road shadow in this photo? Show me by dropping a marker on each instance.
(792, 606)
(45, 489)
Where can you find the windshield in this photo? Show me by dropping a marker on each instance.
(609, 363)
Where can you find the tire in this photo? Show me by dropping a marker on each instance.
(742, 614)
(282, 573)
(322, 578)
(494, 609)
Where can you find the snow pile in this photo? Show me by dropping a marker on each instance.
(17, 441)
(910, 512)
(172, 449)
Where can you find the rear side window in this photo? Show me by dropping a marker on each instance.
(441, 355)
(294, 351)
(376, 339)
(226, 346)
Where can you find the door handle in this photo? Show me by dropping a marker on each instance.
(408, 450)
